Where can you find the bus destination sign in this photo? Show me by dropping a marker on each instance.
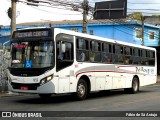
(31, 34)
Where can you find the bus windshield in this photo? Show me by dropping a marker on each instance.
(32, 54)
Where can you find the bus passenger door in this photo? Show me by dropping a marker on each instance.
(64, 61)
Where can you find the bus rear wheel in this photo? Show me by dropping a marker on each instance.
(135, 86)
(82, 89)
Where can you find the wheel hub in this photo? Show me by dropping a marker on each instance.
(81, 90)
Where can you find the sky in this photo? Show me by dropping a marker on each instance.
(27, 13)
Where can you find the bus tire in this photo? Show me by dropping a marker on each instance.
(81, 92)
(45, 95)
(135, 86)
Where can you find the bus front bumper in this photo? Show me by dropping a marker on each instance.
(49, 87)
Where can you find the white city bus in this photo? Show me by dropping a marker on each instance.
(54, 61)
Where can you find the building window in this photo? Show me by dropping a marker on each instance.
(91, 32)
(7, 33)
(151, 35)
(74, 29)
(138, 33)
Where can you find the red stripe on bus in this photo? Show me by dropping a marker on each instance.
(107, 71)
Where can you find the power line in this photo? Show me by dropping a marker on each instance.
(51, 12)
(57, 3)
(144, 9)
(70, 4)
(51, 6)
(79, 6)
(142, 3)
(151, 13)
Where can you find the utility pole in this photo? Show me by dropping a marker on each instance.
(13, 16)
(142, 18)
(85, 13)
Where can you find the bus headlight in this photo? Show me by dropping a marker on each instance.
(46, 79)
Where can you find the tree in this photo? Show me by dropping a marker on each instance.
(156, 15)
(136, 16)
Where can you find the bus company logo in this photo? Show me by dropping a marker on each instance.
(144, 70)
(6, 114)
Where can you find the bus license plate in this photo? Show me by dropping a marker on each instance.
(24, 87)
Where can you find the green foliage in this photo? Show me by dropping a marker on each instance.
(156, 15)
(136, 16)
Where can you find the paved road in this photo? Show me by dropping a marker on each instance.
(148, 99)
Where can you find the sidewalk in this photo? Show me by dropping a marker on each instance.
(8, 94)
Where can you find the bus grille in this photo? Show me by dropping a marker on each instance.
(29, 86)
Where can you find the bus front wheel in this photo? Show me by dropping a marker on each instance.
(81, 92)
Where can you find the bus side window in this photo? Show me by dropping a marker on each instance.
(144, 60)
(82, 49)
(106, 53)
(92, 53)
(121, 55)
(136, 56)
(97, 51)
(127, 55)
(118, 54)
(152, 58)
(113, 53)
